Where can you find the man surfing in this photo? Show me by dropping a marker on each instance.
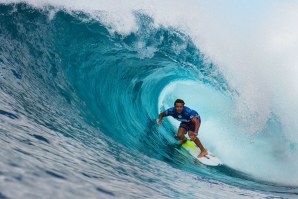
(190, 123)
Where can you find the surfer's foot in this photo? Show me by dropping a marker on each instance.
(183, 141)
(180, 142)
(203, 153)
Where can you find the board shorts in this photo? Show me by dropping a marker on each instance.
(189, 126)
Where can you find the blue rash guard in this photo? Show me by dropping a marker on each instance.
(184, 117)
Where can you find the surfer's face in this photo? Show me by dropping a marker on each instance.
(179, 107)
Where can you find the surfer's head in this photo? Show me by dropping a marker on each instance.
(179, 105)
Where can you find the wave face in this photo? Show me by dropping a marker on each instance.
(79, 103)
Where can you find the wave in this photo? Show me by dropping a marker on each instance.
(74, 74)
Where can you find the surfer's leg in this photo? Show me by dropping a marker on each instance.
(193, 137)
(200, 145)
(181, 132)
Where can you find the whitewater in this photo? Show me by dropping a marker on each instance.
(82, 84)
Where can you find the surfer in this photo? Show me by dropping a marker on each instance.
(190, 123)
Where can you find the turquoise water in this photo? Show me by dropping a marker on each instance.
(78, 110)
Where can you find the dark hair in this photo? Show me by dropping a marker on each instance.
(178, 101)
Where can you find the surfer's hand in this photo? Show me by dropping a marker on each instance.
(159, 122)
(192, 135)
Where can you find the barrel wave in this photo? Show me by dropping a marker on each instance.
(78, 109)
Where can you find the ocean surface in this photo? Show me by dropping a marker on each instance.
(82, 84)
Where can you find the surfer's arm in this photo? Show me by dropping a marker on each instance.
(161, 115)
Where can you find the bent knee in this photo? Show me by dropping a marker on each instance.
(181, 131)
(181, 137)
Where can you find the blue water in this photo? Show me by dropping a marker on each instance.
(78, 110)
